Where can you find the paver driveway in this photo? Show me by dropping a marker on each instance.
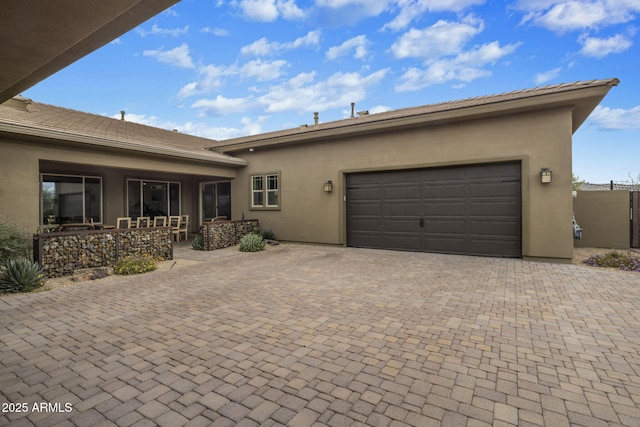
(302, 334)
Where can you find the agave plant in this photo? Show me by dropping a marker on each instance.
(21, 275)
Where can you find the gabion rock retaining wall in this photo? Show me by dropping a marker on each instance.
(222, 234)
(60, 253)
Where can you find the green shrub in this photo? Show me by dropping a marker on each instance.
(135, 264)
(197, 243)
(14, 243)
(251, 243)
(21, 275)
(268, 235)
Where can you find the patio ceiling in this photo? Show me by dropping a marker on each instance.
(42, 37)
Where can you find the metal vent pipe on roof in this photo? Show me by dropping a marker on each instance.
(122, 115)
(353, 109)
(315, 118)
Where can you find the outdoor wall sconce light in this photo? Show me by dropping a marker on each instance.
(328, 187)
(545, 175)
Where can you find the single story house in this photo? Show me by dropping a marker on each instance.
(484, 176)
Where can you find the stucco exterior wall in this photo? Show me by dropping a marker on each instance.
(19, 188)
(21, 164)
(307, 214)
(604, 218)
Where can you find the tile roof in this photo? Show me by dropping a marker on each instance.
(32, 118)
(425, 109)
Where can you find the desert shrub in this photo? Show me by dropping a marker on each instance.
(14, 243)
(268, 235)
(21, 275)
(197, 243)
(135, 264)
(251, 243)
(623, 261)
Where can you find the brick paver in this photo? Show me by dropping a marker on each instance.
(315, 335)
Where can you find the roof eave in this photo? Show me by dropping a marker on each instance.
(581, 101)
(21, 131)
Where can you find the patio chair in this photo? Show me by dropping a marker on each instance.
(123, 222)
(174, 223)
(91, 225)
(184, 226)
(159, 221)
(143, 222)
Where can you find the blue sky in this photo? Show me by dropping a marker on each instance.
(223, 69)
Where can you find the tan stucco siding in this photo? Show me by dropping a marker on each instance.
(604, 218)
(538, 140)
(19, 187)
(22, 162)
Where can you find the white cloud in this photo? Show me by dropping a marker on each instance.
(464, 67)
(615, 118)
(357, 44)
(212, 77)
(249, 127)
(546, 76)
(220, 105)
(157, 31)
(569, 15)
(264, 47)
(220, 32)
(442, 38)
(302, 93)
(410, 9)
(263, 70)
(599, 47)
(259, 10)
(178, 57)
(289, 10)
(269, 10)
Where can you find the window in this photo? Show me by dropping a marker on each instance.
(152, 198)
(265, 191)
(215, 200)
(68, 199)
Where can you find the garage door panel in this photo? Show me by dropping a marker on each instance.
(402, 224)
(401, 241)
(445, 225)
(445, 244)
(472, 209)
(390, 192)
(479, 246)
(364, 223)
(365, 193)
(494, 189)
(437, 191)
(402, 209)
(495, 228)
(367, 209)
(501, 208)
(442, 208)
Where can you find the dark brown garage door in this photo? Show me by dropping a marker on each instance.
(473, 210)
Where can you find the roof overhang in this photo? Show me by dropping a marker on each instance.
(41, 37)
(581, 100)
(20, 132)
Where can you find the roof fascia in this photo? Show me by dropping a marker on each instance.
(21, 131)
(581, 101)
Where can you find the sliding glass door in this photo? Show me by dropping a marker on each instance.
(215, 200)
(152, 198)
(70, 199)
